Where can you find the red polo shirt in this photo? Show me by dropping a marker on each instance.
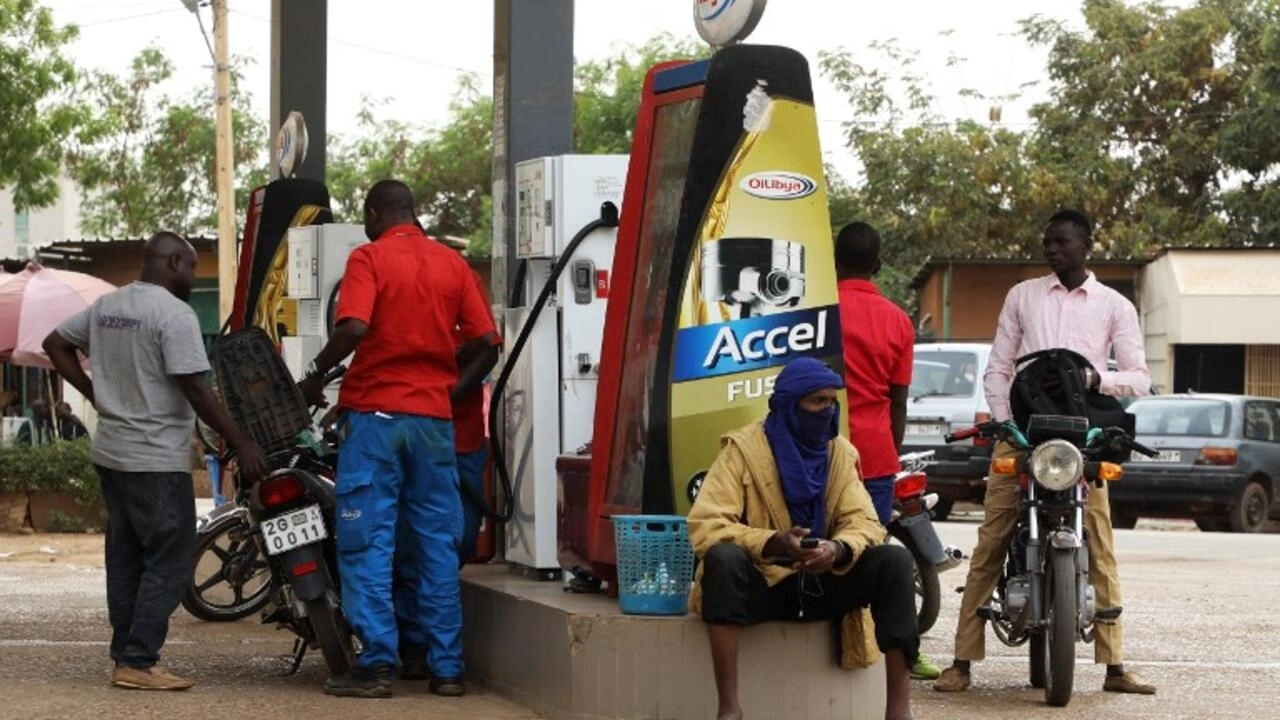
(468, 412)
(413, 293)
(878, 344)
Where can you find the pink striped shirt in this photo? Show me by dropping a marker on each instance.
(1092, 320)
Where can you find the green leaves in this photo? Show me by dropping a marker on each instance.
(146, 160)
(37, 115)
(1161, 123)
(64, 466)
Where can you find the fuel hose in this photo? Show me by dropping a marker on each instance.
(608, 219)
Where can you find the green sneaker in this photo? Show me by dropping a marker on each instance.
(924, 669)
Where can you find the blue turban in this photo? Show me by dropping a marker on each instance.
(800, 440)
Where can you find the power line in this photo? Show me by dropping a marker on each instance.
(124, 19)
(377, 50)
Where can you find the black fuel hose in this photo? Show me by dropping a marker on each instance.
(608, 218)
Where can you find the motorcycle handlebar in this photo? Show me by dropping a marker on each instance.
(963, 434)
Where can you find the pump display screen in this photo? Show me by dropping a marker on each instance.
(671, 147)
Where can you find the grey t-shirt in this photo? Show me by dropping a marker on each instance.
(137, 339)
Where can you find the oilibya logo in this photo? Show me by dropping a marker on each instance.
(768, 343)
(778, 185)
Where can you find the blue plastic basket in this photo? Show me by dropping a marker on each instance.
(655, 564)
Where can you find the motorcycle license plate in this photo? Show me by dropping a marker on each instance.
(293, 530)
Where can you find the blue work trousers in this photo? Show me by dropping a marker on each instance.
(881, 491)
(471, 475)
(394, 467)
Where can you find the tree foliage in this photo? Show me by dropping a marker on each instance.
(37, 117)
(146, 160)
(449, 168)
(1161, 123)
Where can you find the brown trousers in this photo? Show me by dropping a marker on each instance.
(1001, 506)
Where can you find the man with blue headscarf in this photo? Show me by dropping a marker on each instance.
(775, 484)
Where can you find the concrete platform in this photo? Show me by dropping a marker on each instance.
(577, 657)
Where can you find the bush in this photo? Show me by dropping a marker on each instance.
(63, 466)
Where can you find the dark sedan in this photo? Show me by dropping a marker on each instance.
(1218, 462)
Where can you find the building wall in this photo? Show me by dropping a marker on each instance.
(1160, 317)
(977, 292)
(60, 221)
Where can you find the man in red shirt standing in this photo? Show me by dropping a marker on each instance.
(879, 344)
(471, 452)
(402, 298)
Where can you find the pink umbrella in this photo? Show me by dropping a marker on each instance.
(35, 302)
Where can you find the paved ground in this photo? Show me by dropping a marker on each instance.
(53, 655)
(1201, 622)
(1201, 611)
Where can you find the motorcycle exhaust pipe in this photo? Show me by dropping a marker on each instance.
(953, 556)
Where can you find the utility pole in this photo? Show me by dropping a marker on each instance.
(225, 164)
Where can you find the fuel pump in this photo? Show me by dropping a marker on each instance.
(543, 401)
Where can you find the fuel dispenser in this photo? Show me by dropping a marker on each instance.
(316, 259)
(546, 393)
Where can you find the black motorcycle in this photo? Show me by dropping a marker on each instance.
(1043, 596)
(274, 545)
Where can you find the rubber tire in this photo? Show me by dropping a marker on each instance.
(1039, 659)
(1240, 520)
(1211, 524)
(942, 510)
(195, 604)
(928, 594)
(1123, 519)
(332, 634)
(1062, 629)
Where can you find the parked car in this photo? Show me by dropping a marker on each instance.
(1218, 462)
(946, 394)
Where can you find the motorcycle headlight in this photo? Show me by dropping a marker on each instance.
(1057, 464)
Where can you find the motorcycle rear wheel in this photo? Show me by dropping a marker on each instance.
(928, 594)
(332, 634)
(240, 568)
(1062, 629)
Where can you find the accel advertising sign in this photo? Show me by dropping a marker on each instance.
(760, 289)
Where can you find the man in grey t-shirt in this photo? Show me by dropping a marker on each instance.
(148, 361)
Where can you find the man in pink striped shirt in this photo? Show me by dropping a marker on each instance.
(1066, 309)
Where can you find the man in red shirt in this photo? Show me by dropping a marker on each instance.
(879, 343)
(402, 298)
(472, 454)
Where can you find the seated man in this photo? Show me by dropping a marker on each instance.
(774, 484)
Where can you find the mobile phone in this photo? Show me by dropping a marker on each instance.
(809, 543)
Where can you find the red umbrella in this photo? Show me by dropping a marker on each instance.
(35, 302)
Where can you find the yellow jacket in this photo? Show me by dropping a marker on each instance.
(741, 501)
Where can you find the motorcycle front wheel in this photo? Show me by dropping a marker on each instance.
(332, 634)
(1062, 629)
(230, 579)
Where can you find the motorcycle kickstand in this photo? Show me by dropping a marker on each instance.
(299, 651)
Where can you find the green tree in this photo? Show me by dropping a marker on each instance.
(37, 118)
(1165, 121)
(449, 168)
(930, 186)
(607, 92)
(147, 161)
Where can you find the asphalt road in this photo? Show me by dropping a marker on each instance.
(1200, 613)
(1201, 622)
